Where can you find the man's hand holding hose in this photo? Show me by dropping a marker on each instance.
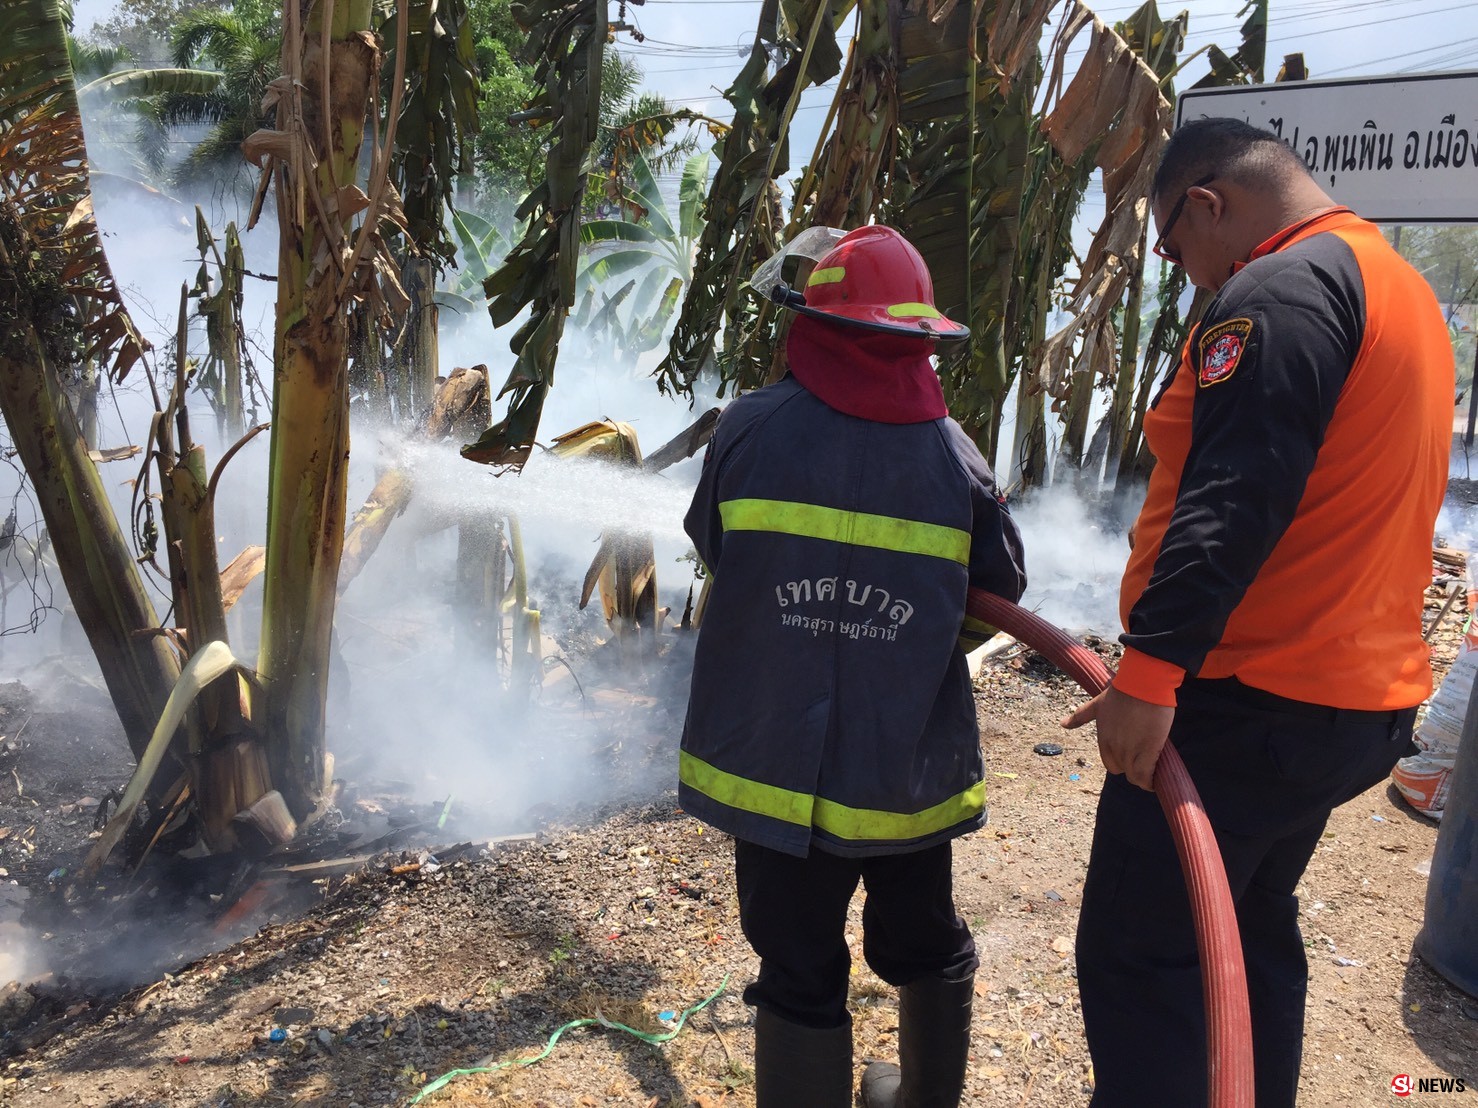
(1131, 733)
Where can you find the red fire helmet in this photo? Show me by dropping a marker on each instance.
(874, 278)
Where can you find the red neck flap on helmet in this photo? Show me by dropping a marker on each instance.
(871, 375)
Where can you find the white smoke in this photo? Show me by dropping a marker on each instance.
(1075, 559)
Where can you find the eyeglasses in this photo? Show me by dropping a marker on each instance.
(1159, 247)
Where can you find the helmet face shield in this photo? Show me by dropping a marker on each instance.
(768, 281)
(871, 278)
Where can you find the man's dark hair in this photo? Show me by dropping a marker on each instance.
(1226, 148)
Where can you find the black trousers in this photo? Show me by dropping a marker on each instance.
(1269, 772)
(794, 914)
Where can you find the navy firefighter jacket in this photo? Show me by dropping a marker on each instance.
(831, 704)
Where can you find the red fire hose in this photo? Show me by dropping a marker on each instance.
(1223, 976)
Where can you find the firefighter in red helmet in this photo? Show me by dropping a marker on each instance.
(831, 727)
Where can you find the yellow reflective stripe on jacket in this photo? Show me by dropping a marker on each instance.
(744, 794)
(857, 824)
(974, 633)
(864, 823)
(855, 528)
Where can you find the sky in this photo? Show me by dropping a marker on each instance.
(693, 48)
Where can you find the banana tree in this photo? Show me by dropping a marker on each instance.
(481, 246)
(1159, 44)
(435, 57)
(653, 236)
(59, 308)
(655, 241)
(1168, 332)
(331, 252)
(961, 81)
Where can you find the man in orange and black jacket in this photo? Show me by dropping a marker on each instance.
(1272, 600)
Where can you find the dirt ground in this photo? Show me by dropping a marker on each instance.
(627, 915)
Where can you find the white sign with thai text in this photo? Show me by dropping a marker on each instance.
(1400, 149)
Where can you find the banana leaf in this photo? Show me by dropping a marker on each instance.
(131, 84)
(45, 194)
(616, 230)
(568, 39)
(1112, 104)
(438, 121)
(690, 192)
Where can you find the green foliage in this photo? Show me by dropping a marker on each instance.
(46, 204)
(652, 234)
(507, 154)
(144, 29)
(647, 237)
(481, 247)
(1448, 258)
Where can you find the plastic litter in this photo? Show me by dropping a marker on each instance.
(1425, 778)
(277, 1035)
(1048, 749)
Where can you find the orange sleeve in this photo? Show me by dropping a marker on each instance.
(1147, 678)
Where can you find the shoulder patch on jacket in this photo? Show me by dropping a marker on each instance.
(1221, 350)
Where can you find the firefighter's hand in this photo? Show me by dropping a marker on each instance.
(1131, 733)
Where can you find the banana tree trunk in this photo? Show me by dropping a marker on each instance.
(1075, 421)
(310, 402)
(1121, 412)
(228, 769)
(85, 394)
(230, 353)
(369, 375)
(96, 562)
(420, 350)
(1029, 459)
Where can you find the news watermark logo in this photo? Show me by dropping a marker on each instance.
(1403, 1085)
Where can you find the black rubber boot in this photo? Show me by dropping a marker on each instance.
(933, 1048)
(801, 1067)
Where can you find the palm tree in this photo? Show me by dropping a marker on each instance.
(249, 58)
